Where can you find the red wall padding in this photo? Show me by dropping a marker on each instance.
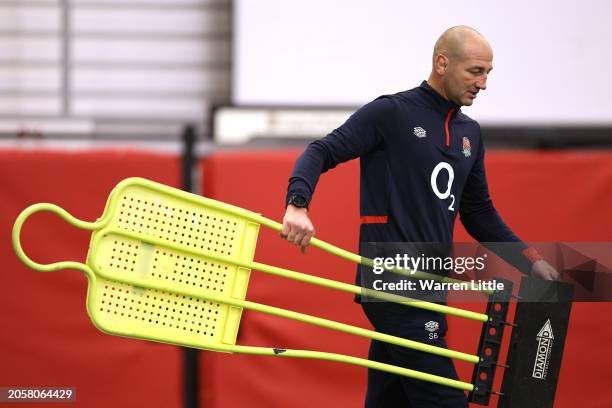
(47, 338)
(552, 196)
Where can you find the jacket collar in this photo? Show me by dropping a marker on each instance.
(437, 101)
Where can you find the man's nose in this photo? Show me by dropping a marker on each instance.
(481, 84)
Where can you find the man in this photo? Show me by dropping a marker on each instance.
(422, 162)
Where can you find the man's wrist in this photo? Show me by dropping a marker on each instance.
(297, 200)
(292, 207)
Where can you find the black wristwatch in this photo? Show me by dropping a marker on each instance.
(298, 201)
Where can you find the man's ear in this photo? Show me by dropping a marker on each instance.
(441, 63)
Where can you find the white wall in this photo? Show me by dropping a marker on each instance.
(552, 58)
(130, 62)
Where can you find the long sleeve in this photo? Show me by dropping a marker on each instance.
(360, 134)
(483, 222)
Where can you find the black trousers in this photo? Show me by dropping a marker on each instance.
(387, 390)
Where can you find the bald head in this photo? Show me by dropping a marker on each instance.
(462, 61)
(454, 42)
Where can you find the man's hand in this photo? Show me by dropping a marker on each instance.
(297, 227)
(544, 270)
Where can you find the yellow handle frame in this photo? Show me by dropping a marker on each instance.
(101, 223)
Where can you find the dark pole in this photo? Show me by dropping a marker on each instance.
(190, 356)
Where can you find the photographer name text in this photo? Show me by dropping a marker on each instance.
(431, 285)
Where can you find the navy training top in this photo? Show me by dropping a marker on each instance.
(421, 164)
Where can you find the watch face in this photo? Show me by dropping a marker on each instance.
(298, 201)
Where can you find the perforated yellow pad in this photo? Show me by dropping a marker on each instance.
(161, 235)
(170, 266)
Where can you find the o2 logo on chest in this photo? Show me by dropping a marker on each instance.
(434, 183)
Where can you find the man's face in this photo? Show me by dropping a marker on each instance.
(467, 75)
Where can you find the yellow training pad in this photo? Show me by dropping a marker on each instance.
(157, 234)
(170, 266)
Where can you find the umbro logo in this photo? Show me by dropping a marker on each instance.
(432, 326)
(420, 132)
